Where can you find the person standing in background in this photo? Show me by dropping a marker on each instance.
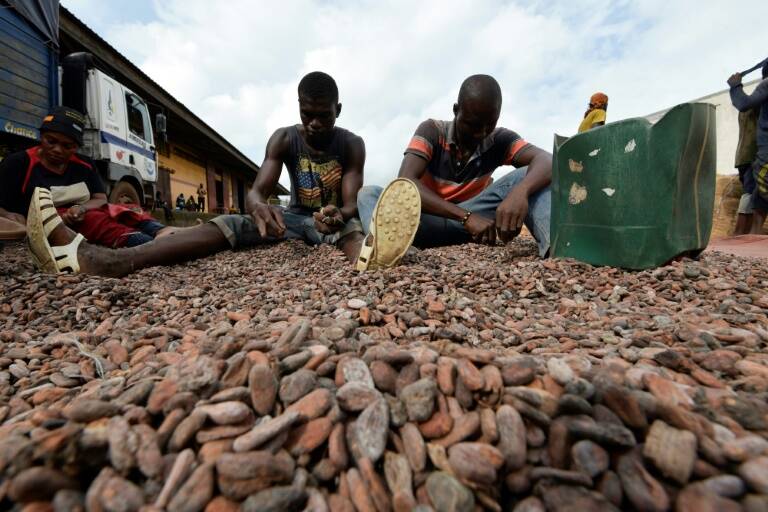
(745, 102)
(745, 155)
(201, 198)
(596, 112)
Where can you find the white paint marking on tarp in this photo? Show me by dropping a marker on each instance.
(609, 191)
(630, 147)
(594, 152)
(577, 194)
(575, 166)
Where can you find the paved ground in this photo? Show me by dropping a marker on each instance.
(752, 246)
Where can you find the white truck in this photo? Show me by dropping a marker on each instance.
(119, 134)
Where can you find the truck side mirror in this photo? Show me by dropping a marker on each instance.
(161, 123)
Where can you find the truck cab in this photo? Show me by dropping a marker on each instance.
(118, 137)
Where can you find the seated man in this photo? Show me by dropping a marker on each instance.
(76, 188)
(191, 205)
(325, 166)
(452, 162)
(181, 203)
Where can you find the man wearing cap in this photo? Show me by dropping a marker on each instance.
(75, 186)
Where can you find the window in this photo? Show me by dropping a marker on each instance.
(138, 117)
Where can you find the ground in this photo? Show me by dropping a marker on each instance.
(468, 375)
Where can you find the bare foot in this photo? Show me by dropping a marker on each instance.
(350, 245)
(92, 259)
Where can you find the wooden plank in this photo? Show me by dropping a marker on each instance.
(9, 91)
(20, 116)
(31, 46)
(32, 71)
(17, 81)
(39, 109)
(25, 64)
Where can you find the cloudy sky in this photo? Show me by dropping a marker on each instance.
(236, 63)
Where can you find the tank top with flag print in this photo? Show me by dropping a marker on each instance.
(316, 176)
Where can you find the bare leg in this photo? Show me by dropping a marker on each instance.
(758, 218)
(171, 230)
(743, 224)
(185, 245)
(11, 230)
(350, 245)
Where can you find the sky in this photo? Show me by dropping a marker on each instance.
(236, 63)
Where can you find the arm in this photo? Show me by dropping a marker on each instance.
(76, 213)
(539, 173)
(741, 100)
(96, 201)
(98, 198)
(481, 228)
(511, 213)
(330, 218)
(268, 219)
(413, 168)
(352, 179)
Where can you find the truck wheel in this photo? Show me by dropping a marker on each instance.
(124, 193)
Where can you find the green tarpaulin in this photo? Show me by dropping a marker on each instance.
(633, 194)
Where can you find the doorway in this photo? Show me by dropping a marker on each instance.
(241, 196)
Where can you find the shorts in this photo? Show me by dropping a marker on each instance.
(240, 230)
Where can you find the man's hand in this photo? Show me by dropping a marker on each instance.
(269, 220)
(482, 229)
(73, 215)
(510, 215)
(15, 217)
(328, 220)
(734, 80)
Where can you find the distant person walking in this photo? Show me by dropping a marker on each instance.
(746, 151)
(201, 198)
(596, 112)
(744, 103)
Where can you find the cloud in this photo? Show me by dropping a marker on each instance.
(237, 63)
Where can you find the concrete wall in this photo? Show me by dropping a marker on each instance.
(727, 118)
(186, 174)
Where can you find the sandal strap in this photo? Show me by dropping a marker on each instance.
(46, 203)
(366, 254)
(66, 255)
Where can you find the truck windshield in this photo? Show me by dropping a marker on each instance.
(138, 117)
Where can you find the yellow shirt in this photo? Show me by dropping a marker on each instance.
(596, 116)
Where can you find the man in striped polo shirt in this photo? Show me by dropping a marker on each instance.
(452, 161)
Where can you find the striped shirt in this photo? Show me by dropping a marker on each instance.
(435, 141)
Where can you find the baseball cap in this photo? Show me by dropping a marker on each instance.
(66, 121)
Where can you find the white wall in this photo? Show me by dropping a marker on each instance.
(727, 118)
